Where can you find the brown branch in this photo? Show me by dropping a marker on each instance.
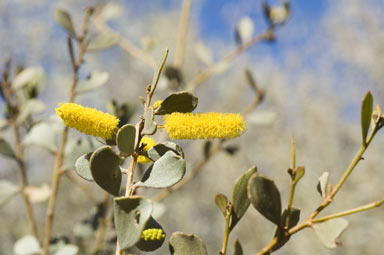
(64, 137)
(183, 30)
(8, 93)
(125, 44)
(210, 71)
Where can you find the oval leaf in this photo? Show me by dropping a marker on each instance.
(44, 134)
(265, 197)
(178, 102)
(34, 74)
(165, 172)
(5, 149)
(125, 139)
(329, 231)
(94, 81)
(105, 169)
(221, 201)
(366, 114)
(322, 185)
(293, 220)
(150, 126)
(131, 216)
(7, 191)
(237, 249)
(27, 245)
(240, 199)
(160, 149)
(104, 41)
(186, 244)
(32, 106)
(82, 167)
(76, 148)
(64, 19)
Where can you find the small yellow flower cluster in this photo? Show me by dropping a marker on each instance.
(149, 144)
(152, 234)
(157, 104)
(88, 120)
(204, 125)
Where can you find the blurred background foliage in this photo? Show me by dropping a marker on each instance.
(324, 59)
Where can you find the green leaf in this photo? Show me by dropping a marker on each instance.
(160, 149)
(126, 139)
(150, 126)
(27, 245)
(221, 201)
(82, 167)
(76, 148)
(165, 172)
(240, 199)
(265, 197)
(151, 245)
(32, 106)
(178, 102)
(94, 81)
(186, 244)
(293, 220)
(237, 249)
(64, 19)
(329, 231)
(105, 169)
(5, 149)
(131, 216)
(104, 41)
(7, 191)
(251, 80)
(322, 185)
(299, 173)
(366, 114)
(44, 134)
(34, 74)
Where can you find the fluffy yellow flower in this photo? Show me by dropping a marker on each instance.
(204, 125)
(149, 144)
(88, 120)
(153, 234)
(157, 104)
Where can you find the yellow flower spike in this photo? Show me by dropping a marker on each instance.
(152, 234)
(88, 120)
(149, 144)
(157, 104)
(204, 125)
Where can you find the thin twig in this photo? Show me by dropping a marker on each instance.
(227, 231)
(210, 71)
(183, 30)
(64, 137)
(125, 44)
(19, 152)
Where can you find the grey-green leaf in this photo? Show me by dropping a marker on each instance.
(237, 249)
(105, 169)
(293, 220)
(150, 126)
(27, 245)
(104, 41)
(7, 191)
(74, 149)
(32, 106)
(240, 199)
(265, 197)
(126, 138)
(82, 167)
(67, 249)
(44, 134)
(186, 244)
(160, 149)
(366, 114)
(165, 172)
(178, 102)
(5, 149)
(221, 201)
(322, 185)
(131, 216)
(151, 245)
(95, 80)
(64, 19)
(329, 231)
